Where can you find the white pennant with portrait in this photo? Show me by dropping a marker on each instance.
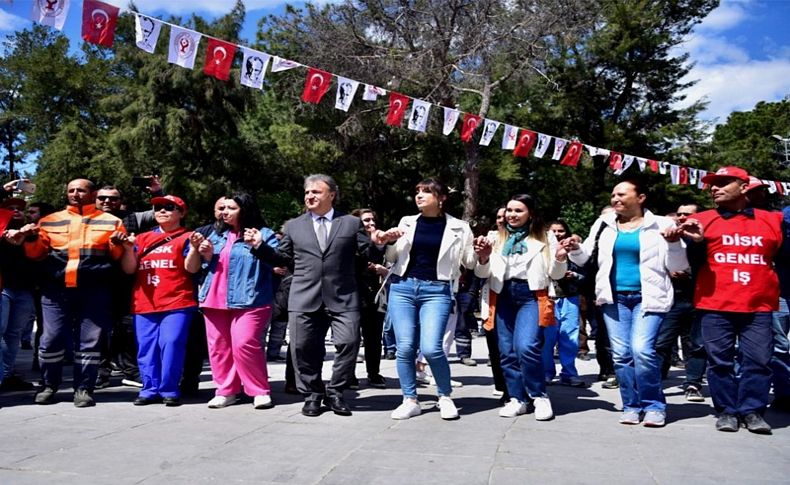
(489, 129)
(253, 68)
(346, 89)
(418, 118)
(147, 32)
(183, 47)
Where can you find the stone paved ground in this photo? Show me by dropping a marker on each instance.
(117, 443)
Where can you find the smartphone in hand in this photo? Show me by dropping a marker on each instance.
(26, 186)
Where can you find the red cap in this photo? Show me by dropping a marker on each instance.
(726, 172)
(170, 199)
(754, 183)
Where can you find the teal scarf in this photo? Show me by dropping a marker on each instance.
(516, 241)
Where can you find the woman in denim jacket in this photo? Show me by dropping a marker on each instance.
(236, 299)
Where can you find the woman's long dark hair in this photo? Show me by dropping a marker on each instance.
(249, 213)
(537, 229)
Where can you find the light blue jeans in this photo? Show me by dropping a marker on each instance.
(15, 311)
(419, 311)
(567, 333)
(633, 335)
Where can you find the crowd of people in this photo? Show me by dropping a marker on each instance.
(112, 290)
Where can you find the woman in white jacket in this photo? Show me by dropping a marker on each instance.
(633, 287)
(426, 266)
(528, 259)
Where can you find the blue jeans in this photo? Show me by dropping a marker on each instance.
(520, 341)
(633, 335)
(780, 361)
(15, 312)
(419, 311)
(682, 316)
(747, 390)
(567, 333)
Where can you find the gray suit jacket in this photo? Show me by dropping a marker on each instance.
(328, 277)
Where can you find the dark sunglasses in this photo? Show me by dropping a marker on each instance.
(167, 207)
(113, 198)
(686, 214)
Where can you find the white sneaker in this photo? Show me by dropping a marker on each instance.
(408, 409)
(264, 401)
(453, 383)
(222, 401)
(543, 411)
(423, 378)
(513, 408)
(497, 393)
(447, 408)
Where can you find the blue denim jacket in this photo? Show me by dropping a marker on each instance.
(249, 278)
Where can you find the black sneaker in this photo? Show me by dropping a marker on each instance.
(756, 424)
(171, 402)
(102, 381)
(83, 399)
(610, 383)
(693, 394)
(46, 395)
(353, 383)
(727, 423)
(377, 381)
(145, 401)
(389, 355)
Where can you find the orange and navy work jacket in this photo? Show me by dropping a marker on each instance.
(74, 247)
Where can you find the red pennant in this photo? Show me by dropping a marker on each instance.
(316, 85)
(571, 158)
(683, 179)
(616, 161)
(398, 105)
(653, 165)
(526, 140)
(98, 22)
(219, 57)
(779, 188)
(5, 218)
(471, 123)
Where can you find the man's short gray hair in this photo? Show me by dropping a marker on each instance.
(329, 181)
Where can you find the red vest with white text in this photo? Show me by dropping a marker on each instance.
(162, 283)
(738, 274)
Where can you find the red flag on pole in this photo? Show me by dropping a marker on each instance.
(98, 22)
(316, 85)
(398, 104)
(571, 158)
(526, 140)
(471, 123)
(219, 57)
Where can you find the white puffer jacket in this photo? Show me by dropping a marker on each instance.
(657, 260)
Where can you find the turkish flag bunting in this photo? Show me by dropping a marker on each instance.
(470, 125)
(571, 158)
(684, 176)
(316, 85)
(98, 22)
(615, 161)
(398, 104)
(526, 141)
(653, 165)
(219, 57)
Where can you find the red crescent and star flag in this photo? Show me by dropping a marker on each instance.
(219, 57)
(316, 85)
(398, 104)
(98, 22)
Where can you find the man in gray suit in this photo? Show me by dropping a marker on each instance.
(325, 248)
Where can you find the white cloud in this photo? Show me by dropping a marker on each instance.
(10, 22)
(726, 15)
(738, 86)
(710, 50)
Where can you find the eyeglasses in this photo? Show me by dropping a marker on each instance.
(166, 207)
(111, 198)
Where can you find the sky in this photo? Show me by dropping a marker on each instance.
(740, 52)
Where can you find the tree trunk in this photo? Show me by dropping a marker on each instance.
(472, 165)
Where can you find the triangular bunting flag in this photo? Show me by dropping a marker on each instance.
(219, 57)
(628, 160)
(50, 12)
(559, 146)
(785, 187)
(147, 32)
(693, 176)
(471, 123)
(616, 161)
(571, 158)
(509, 137)
(780, 187)
(372, 92)
(701, 175)
(653, 165)
(418, 119)
(642, 162)
(543, 145)
(316, 85)
(450, 119)
(771, 186)
(346, 89)
(526, 140)
(489, 129)
(662, 167)
(253, 68)
(684, 176)
(398, 104)
(98, 22)
(183, 46)
(279, 64)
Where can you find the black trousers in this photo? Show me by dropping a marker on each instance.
(372, 328)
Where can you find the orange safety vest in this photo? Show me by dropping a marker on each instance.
(76, 242)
